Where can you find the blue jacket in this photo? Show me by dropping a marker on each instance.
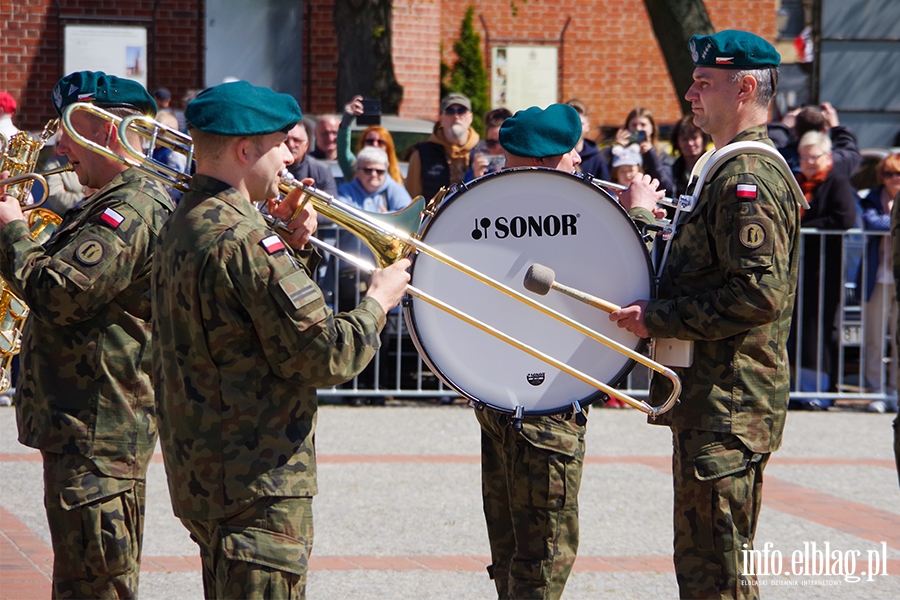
(874, 219)
(390, 197)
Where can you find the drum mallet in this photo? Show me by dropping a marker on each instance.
(540, 280)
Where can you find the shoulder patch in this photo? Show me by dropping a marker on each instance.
(272, 244)
(89, 252)
(299, 289)
(746, 191)
(755, 235)
(112, 218)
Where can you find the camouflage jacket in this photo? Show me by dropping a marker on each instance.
(243, 339)
(729, 285)
(84, 384)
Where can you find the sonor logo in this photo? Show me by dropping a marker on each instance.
(535, 379)
(528, 226)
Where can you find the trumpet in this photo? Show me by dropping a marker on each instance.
(386, 236)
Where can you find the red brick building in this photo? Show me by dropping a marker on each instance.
(607, 53)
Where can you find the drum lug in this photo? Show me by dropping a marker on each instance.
(476, 404)
(516, 421)
(580, 417)
(406, 301)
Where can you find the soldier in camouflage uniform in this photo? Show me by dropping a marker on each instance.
(530, 477)
(242, 341)
(728, 287)
(895, 245)
(84, 392)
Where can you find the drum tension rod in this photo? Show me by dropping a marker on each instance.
(516, 421)
(580, 417)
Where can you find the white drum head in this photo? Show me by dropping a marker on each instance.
(501, 225)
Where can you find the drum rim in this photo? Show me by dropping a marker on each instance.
(409, 304)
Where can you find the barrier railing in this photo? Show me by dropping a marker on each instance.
(861, 367)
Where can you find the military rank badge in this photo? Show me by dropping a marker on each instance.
(299, 290)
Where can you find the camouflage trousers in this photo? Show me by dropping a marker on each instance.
(261, 552)
(718, 493)
(96, 526)
(530, 481)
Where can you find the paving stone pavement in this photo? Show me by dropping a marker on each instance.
(399, 512)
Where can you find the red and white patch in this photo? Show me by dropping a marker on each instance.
(272, 244)
(746, 190)
(724, 60)
(112, 218)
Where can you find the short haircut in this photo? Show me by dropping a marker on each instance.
(208, 146)
(766, 83)
(810, 118)
(495, 118)
(817, 140)
(371, 154)
(579, 106)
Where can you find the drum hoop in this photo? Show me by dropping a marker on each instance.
(409, 305)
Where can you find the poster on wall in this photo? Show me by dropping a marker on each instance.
(523, 76)
(115, 50)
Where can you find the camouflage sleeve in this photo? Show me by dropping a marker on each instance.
(82, 272)
(743, 265)
(301, 339)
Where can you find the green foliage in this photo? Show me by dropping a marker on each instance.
(445, 74)
(468, 75)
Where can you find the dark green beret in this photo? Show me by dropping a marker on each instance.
(538, 133)
(106, 91)
(733, 49)
(238, 109)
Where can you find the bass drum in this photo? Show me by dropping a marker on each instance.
(500, 225)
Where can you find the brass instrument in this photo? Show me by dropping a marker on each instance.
(19, 157)
(387, 242)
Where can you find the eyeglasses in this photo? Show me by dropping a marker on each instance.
(811, 157)
(459, 110)
(372, 171)
(375, 142)
(492, 143)
(890, 174)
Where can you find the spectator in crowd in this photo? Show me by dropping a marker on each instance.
(63, 189)
(832, 206)
(163, 99)
(895, 254)
(626, 163)
(326, 134)
(305, 166)
(443, 159)
(372, 190)
(690, 142)
(8, 108)
(592, 161)
(373, 135)
(640, 128)
(823, 118)
(493, 119)
(879, 291)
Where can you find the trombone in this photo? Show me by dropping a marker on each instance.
(388, 243)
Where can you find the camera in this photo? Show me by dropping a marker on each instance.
(496, 162)
(638, 137)
(371, 113)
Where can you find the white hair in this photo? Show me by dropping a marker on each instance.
(816, 139)
(371, 154)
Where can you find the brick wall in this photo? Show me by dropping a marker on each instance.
(609, 57)
(31, 59)
(417, 59)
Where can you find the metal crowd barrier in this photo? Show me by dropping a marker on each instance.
(399, 372)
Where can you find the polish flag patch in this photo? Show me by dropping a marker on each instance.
(746, 190)
(112, 218)
(272, 244)
(724, 60)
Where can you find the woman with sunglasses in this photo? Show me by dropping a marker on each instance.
(374, 135)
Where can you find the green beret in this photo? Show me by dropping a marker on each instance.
(105, 91)
(538, 133)
(733, 49)
(238, 109)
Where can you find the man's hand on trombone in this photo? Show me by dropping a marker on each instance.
(301, 221)
(642, 192)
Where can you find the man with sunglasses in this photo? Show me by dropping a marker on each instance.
(443, 159)
(304, 165)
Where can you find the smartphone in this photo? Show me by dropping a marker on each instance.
(637, 137)
(371, 113)
(496, 161)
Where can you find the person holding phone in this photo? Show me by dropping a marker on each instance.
(641, 129)
(374, 135)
